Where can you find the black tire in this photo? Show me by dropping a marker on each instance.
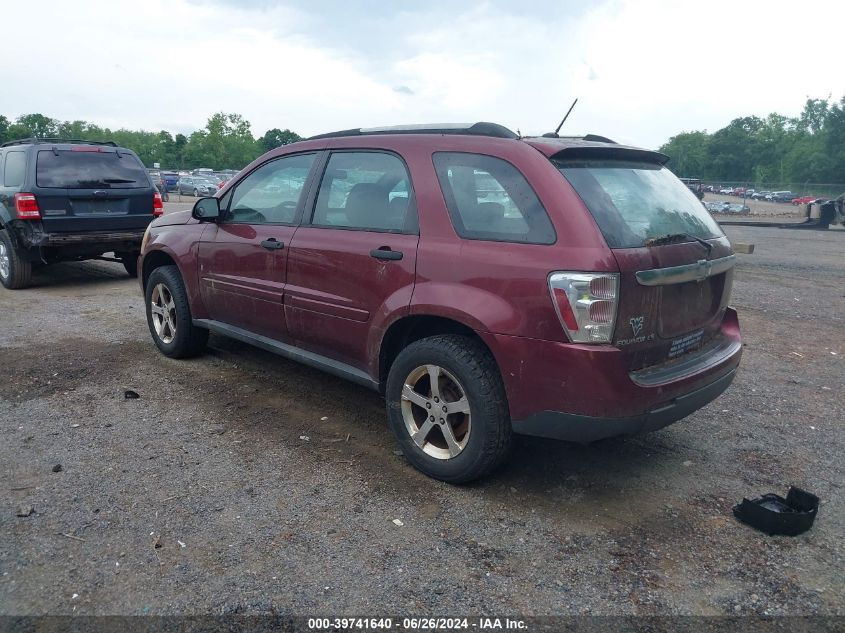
(474, 367)
(130, 263)
(19, 272)
(196, 194)
(187, 340)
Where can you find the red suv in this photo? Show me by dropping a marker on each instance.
(486, 284)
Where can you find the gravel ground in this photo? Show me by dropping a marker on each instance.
(241, 483)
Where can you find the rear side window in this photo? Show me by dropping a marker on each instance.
(369, 191)
(87, 169)
(14, 169)
(633, 202)
(489, 199)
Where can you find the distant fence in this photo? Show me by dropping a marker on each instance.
(826, 190)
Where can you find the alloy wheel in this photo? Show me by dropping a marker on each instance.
(163, 312)
(436, 411)
(5, 262)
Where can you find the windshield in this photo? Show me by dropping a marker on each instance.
(633, 202)
(64, 169)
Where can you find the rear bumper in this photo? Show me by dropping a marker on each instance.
(34, 242)
(586, 392)
(585, 429)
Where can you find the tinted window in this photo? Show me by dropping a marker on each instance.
(489, 199)
(271, 193)
(89, 169)
(15, 168)
(633, 202)
(365, 190)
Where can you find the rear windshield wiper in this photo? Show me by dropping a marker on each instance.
(672, 238)
(118, 180)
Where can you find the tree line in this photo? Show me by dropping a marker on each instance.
(226, 141)
(806, 148)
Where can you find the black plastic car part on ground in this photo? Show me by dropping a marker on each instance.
(773, 514)
(66, 200)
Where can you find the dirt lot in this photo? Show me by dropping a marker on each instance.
(240, 482)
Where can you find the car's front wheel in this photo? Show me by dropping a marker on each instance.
(447, 408)
(169, 315)
(15, 272)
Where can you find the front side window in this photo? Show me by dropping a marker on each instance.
(365, 190)
(633, 201)
(489, 199)
(89, 169)
(271, 194)
(15, 168)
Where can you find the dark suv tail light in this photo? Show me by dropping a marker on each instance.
(158, 205)
(586, 304)
(27, 207)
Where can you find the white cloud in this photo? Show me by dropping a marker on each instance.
(642, 69)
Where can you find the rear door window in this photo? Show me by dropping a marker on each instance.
(489, 199)
(365, 190)
(633, 202)
(14, 169)
(89, 169)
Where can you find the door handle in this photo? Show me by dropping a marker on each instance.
(385, 252)
(272, 244)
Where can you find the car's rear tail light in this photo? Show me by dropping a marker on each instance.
(158, 205)
(27, 207)
(586, 304)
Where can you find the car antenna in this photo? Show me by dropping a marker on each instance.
(554, 134)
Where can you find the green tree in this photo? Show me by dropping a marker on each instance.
(276, 138)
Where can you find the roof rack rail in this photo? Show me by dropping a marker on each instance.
(36, 141)
(482, 128)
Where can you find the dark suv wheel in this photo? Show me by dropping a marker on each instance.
(447, 407)
(169, 316)
(15, 272)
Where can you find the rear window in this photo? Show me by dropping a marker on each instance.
(68, 169)
(633, 201)
(489, 199)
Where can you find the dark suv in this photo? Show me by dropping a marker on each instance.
(70, 200)
(486, 284)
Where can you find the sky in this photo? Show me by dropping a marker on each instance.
(642, 70)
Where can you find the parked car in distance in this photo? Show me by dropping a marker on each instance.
(760, 195)
(196, 186)
(726, 190)
(575, 305)
(804, 200)
(781, 196)
(64, 200)
(737, 208)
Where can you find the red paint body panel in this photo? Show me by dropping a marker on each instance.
(589, 380)
(338, 296)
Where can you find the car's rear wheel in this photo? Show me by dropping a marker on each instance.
(15, 272)
(130, 263)
(169, 315)
(447, 407)
(196, 194)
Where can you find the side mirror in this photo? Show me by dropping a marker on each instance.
(206, 210)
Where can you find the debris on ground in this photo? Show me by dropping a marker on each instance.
(398, 522)
(57, 468)
(24, 511)
(130, 395)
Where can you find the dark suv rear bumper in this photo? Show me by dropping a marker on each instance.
(585, 429)
(34, 243)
